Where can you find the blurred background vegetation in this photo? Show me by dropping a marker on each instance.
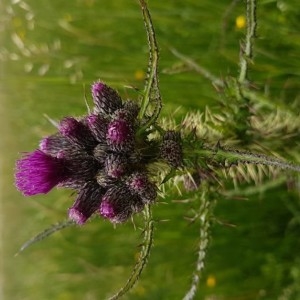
(50, 53)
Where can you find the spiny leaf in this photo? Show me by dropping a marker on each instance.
(44, 234)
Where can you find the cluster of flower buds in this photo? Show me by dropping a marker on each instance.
(101, 156)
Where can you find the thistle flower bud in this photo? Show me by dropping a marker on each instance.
(77, 133)
(98, 126)
(120, 135)
(54, 144)
(128, 112)
(86, 203)
(139, 184)
(106, 99)
(38, 173)
(132, 108)
(117, 204)
(171, 149)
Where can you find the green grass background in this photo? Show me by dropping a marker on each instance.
(50, 53)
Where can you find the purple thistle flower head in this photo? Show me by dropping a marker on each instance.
(120, 135)
(106, 99)
(87, 202)
(104, 180)
(94, 156)
(38, 173)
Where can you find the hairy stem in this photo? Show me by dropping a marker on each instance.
(151, 90)
(203, 215)
(219, 84)
(232, 156)
(199, 69)
(247, 48)
(143, 256)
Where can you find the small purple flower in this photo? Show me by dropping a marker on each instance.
(38, 173)
(87, 202)
(106, 99)
(97, 88)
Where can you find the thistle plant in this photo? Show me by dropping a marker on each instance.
(121, 157)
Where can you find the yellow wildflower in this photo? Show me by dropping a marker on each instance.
(139, 75)
(240, 22)
(211, 281)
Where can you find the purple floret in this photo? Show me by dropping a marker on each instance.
(97, 88)
(38, 173)
(107, 210)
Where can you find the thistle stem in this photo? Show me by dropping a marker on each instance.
(203, 215)
(198, 68)
(247, 48)
(232, 156)
(143, 257)
(151, 89)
